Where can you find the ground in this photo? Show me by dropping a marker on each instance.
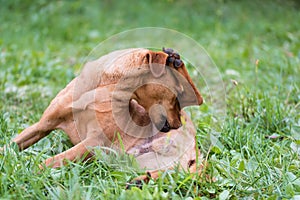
(254, 44)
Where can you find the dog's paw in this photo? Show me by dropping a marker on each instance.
(173, 59)
(139, 181)
(134, 183)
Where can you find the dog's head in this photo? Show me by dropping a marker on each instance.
(160, 104)
(166, 90)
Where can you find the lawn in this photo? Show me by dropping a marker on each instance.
(255, 46)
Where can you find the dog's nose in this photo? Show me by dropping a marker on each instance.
(166, 127)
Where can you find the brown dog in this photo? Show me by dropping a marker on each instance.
(129, 99)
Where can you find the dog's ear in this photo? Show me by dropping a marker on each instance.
(138, 113)
(189, 95)
(137, 108)
(157, 63)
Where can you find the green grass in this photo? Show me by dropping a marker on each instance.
(43, 44)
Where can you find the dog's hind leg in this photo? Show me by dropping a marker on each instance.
(30, 136)
(49, 121)
(58, 110)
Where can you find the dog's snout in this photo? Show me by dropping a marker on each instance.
(166, 127)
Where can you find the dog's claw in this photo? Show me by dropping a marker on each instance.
(177, 63)
(138, 182)
(168, 50)
(170, 60)
(173, 58)
(135, 183)
(176, 55)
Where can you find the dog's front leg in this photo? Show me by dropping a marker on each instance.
(76, 153)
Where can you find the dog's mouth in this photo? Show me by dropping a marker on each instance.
(166, 127)
(161, 126)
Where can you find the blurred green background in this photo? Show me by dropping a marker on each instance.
(43, 44)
